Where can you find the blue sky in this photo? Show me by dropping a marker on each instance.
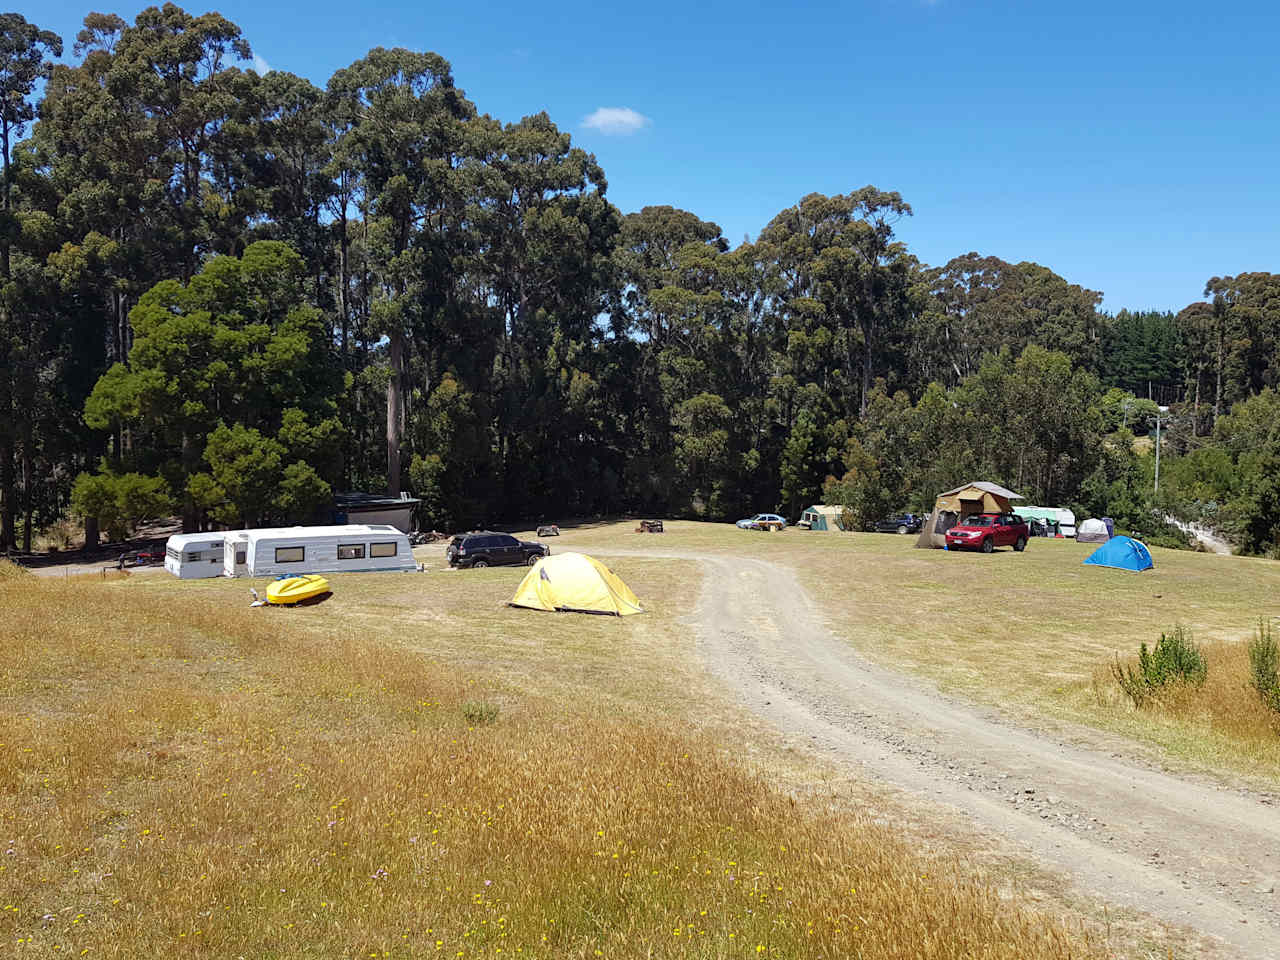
(1131, 147)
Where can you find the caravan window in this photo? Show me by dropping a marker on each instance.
(351, 551)
(240, 557)
(290, 554)
(382, 549)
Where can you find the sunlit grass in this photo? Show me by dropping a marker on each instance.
(1026, 632)
(181, 774)
(1221, 716)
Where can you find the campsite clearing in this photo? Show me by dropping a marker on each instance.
(415, 768)
(734, 660)
(1100, 810)
(1048, 626)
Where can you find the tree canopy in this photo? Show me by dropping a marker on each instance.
(232, 294)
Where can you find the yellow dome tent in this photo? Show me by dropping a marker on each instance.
(577, 583)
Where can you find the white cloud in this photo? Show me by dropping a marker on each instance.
(616, 121)
(260, 66)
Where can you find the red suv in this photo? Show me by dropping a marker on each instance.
(986, 531)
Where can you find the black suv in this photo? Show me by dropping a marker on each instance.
(484, 548)
(902, 523)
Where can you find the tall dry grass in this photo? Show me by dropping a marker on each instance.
(213, 780)
(9, 570)
(1223, 713)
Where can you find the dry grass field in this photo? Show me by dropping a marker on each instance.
(410, 769)
(1033, 633)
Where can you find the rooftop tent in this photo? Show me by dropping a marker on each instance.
(1123, 553)
(979, 496)
(823, 517)
(577, 583)
(1092, 530)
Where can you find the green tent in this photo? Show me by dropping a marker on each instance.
(822, 517)
(1046, 515)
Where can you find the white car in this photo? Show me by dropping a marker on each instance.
(763, 521)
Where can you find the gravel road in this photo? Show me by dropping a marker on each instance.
(1186, 852)
(1212, 542)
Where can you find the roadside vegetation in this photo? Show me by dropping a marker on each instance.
(1220, 692)
(345, 782)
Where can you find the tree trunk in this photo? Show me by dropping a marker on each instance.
(188, 468)
(90, 532)
(866, 369)
(8, 540)
(1217, 396)
(1195, 422)
(26, 489)
(395, 422)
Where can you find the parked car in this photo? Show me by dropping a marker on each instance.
(139, 558)
(763, 521)
(986, 531)
(484, 548)
(899, 523)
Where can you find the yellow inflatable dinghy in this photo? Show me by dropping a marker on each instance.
(297, 589)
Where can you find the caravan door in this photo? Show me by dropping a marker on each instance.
(235, 557)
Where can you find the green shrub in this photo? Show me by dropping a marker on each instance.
(120, 501)
(1264, 665)
(478, 713)
(1174, 659)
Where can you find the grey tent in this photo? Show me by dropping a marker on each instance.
(1092, 531)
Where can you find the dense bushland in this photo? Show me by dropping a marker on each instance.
(254, 291)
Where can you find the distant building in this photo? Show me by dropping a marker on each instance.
(373, 509)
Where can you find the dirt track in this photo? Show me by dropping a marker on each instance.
(1188, 853)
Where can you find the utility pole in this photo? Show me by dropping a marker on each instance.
(1157, 492)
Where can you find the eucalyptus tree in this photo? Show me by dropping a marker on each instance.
(25, 50)
(402, 137)
(545, 234)
(977, 304)
(843, 277)
(1200, 333)
(657, 253)
(1246, 325)
(276, 151)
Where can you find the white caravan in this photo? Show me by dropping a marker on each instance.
(355, 548)
(1066, 522)
(193, 556)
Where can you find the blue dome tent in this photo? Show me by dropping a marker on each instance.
(1123, 553)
